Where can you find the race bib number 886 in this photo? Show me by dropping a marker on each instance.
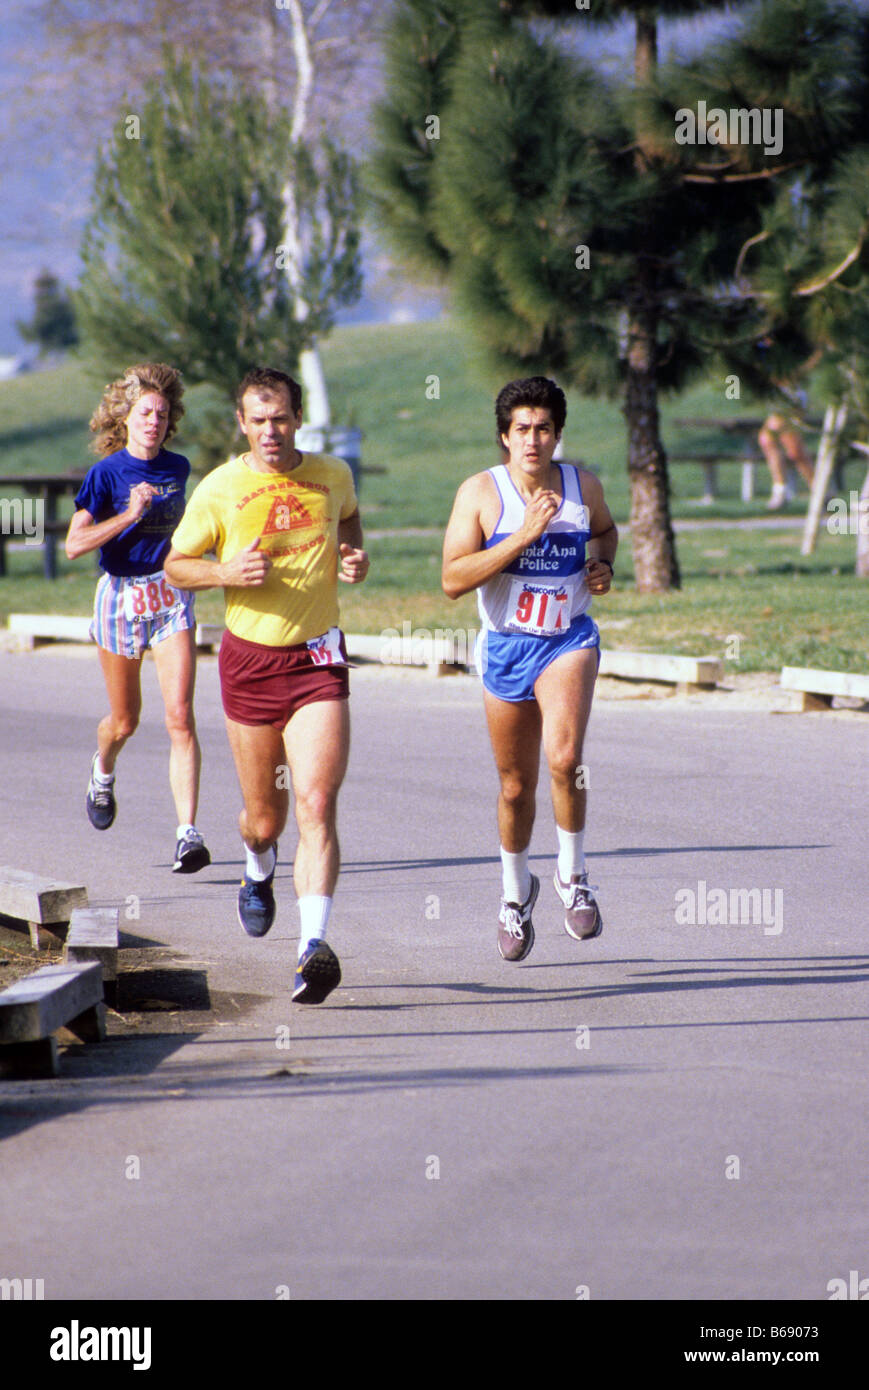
(149, 597)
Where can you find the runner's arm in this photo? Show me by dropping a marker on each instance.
(245, 570)
(85, 534)
(353, 558)
(604, 539)
(467, 564)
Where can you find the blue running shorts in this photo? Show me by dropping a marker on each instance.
(510, 662)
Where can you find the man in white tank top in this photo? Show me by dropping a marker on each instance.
(536, 540)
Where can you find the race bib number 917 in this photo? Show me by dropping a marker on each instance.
(149, 597)
(538, 609)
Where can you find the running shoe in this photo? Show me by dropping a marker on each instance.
(582, 919)
(100, 803)
(190, 854)
(256, 904)
(317, 974)
(515, 928)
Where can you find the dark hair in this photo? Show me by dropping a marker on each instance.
(537, 391)
(268, 381)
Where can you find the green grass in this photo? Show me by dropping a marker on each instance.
(787, 610)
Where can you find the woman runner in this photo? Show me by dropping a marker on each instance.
(127, 507)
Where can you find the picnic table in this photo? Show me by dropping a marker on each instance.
(47, 488)
(745, 426)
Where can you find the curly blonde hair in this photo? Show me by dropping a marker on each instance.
(109, 420)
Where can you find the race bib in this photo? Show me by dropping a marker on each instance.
(326, 650)
(149, 597)
(538, 609)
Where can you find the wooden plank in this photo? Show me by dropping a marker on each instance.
(704, 671)
(819, 682)
(209, 634)
(36, 899)
(93, 935)
(701, 672)
(56, 995)
(446, 653)
(50, 627)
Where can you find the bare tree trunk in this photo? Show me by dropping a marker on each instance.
(652, 541)
(316, 395)
(835, 417)
(862, 566)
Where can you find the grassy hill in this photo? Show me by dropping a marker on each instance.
(787, 609)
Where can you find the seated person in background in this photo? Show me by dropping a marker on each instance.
(782, 444)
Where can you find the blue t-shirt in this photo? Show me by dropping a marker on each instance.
(105, 492)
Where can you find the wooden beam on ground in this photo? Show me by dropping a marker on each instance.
(688, 673)
(209, 635)
(45, 905)
(57, 997)
(93, 935)
(817, 687)
(49, 627)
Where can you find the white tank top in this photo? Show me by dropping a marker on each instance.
(543, 589)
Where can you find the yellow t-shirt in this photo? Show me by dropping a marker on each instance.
(296, 514)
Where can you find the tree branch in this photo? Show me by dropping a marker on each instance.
(317, 14)
(743, 178)
(839, 270)
(752, 241)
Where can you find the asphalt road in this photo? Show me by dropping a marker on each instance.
(676, 1110)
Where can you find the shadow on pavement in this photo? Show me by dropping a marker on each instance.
(380, 866)
(748, 974)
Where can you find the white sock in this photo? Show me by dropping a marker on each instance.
(571, 859)
(183, 829)
(106, 778)
(314, 913)
(516, 875)
(259, 866)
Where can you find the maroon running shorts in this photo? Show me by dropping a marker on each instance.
(266, 685)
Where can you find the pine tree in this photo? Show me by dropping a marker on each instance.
(184, 258)
(578, 234)
(53, 325)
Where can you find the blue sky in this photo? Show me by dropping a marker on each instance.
(44, 193)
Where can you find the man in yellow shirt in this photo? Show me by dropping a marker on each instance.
(284, 527)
